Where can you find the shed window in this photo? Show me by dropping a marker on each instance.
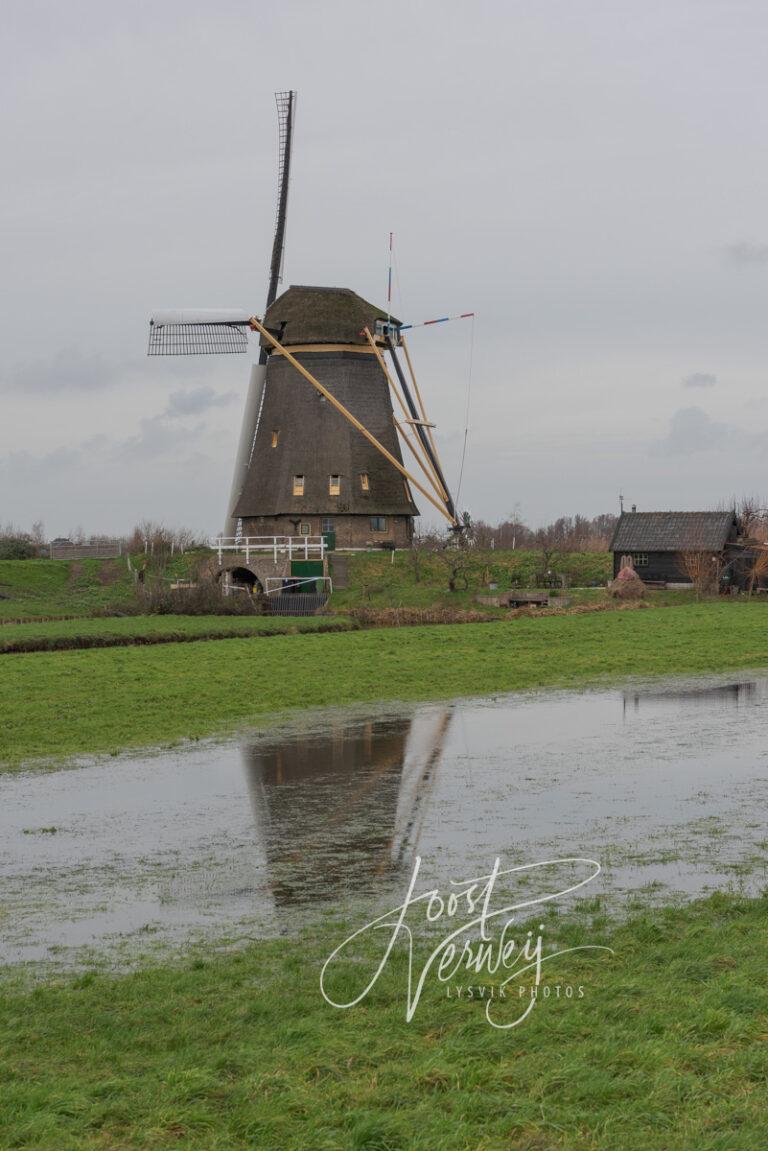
(298, 485)
(378, 523)
(640, 559)
(365, 483)
(334, 485)
(275, 438)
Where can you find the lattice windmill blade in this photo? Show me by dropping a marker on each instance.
(201, 331)
(286, 122)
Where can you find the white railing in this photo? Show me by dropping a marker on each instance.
(294, 581)
(295, 547)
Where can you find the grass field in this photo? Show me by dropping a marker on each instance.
(666, 1051)
(64, 703)
(34, 588)
(31, 589)
(420, 579)
(114, 632)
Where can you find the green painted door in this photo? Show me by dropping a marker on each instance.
(303, 569)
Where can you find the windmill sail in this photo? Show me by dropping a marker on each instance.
(286, 105)
(198, 331)
(286, 116)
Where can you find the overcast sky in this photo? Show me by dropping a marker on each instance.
(589, 176)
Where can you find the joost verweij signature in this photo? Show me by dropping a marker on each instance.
(492, 946)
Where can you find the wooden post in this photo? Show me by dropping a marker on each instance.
(259, 327)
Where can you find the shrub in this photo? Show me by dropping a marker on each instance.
(202, 598)
(413, 616)
(17, 548)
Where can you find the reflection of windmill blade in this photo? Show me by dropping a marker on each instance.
(423, 752)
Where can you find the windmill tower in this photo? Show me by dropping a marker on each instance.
(310, 471)
(320, 445)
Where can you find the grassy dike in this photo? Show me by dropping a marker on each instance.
(65, 703)
(666, 1051)
(64, 635)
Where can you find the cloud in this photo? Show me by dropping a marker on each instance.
(692, 431)
(68, 370)
(194, 401)
(700, 380)
(137, 478)
(746, 252)
(160, 436)
(156, 440)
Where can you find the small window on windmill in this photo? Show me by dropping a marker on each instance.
(378, 523)
(327, 526)
(334, 485)
(304, 529)
(275, 438)
(298, 485)
(365, 483)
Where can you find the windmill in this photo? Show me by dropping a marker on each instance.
(320, 446)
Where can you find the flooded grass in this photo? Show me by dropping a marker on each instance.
(666, 786)
(58, 705)
(176, 911)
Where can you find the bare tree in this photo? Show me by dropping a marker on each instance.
(549, 541)
(751, 513)
(155, 539)
(702, 569)
(456, 564)
(758, 570)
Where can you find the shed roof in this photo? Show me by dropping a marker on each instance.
(672, 531)
(311, 315)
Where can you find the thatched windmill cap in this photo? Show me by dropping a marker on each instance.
(310, 315)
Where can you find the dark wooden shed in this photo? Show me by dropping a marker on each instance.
(655, 541)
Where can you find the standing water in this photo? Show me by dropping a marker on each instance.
(665, 786)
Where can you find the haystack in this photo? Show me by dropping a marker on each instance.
(627, 585)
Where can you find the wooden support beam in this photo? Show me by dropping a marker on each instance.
(257, 326)
(410, 445)
(420, 402)
(426, 466)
